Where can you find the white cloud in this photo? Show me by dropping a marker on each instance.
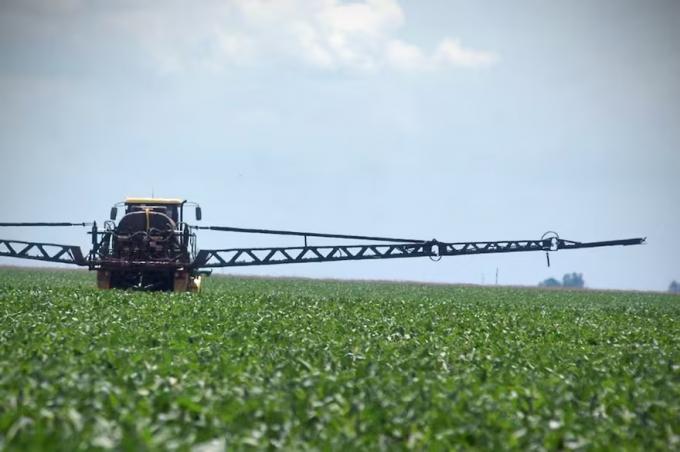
(216, 35)
(451, 51)
(403, 55)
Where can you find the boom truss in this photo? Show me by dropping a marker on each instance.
(382, 248)
(49, 252)
(399, 248)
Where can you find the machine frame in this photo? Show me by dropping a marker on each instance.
(161, 252)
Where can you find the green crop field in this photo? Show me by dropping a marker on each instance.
(298, 365)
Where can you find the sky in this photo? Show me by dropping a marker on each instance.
(455, 120)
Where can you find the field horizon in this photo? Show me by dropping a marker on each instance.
(355, 280)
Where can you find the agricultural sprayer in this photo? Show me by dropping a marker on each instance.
(153, 248)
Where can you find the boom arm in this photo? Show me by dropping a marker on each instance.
(385, 248)
(48, 252)
(394, 248)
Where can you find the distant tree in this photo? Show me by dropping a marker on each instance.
(573, 280)
(550, 282)
(674, 287)
(570, 280)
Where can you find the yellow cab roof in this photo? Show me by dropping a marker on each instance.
(154, 201)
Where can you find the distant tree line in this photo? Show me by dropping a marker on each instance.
(570, 280)
(674, 287)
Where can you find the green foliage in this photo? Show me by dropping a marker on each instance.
(329, 365)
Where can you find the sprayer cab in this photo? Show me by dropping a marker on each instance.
(171, 207)
(150, 247)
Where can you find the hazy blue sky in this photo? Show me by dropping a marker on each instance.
(460, 120)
